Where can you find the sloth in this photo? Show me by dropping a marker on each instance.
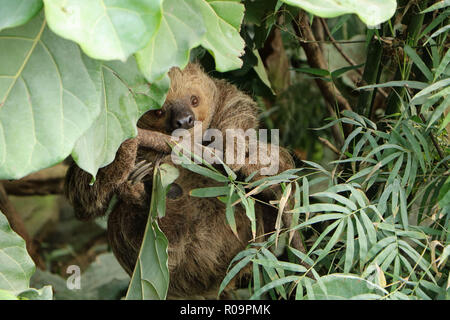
(201, 243)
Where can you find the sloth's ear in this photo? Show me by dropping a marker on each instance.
(193, 67)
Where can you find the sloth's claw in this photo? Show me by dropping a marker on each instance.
(140, 170)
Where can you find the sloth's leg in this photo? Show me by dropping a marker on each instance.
(92, 200)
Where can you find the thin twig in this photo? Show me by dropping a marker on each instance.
(344, 55)
(316, 60)
(338, 47)
(330, 146)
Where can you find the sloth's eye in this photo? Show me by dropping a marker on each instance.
(194, 101)
(159, 113)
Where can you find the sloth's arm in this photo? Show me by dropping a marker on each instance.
(90, 201)
(155, 140)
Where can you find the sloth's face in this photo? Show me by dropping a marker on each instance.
(190, 99)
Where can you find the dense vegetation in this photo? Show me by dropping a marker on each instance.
(360, 95)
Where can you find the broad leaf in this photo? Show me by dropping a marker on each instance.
(222, 21)
(181, 30)
(17, 12)
(150, 279)
(46, 293)
(126, 96)
(47, 98)
(105, 29)
(16, 267)
(371, 12)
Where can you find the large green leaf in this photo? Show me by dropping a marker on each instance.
(16, 267)
(371, 12)
(47, 98)
(223, 22)
(181, 30)
(343, 287)
(126, 96)
(150, 280)
(105, 29)
(186, 24)
(17, 12)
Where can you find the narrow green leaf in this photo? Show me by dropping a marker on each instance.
(314, 71)
(368, 224)
(439, 111)
(439, 5)
(383, 243)
(336, 197)
(327, 230)
(350, 246)
(229, 211)
(281, 264)
(419, 62)
(362, 241)
(441, 68)
(209, 192)
(273, 284)
(333, 240)
(233, 272)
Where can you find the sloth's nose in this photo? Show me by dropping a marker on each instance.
(184, 122)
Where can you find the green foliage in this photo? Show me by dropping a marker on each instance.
(377, 221)
(72, 104)
(76, 76)
(372, 12)
(16, 13)
(16, 267)
(150, 278)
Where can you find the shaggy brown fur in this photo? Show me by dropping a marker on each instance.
(201, 244)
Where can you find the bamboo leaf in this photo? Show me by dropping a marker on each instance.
(209, 192)
(274, 284)
(419, 62)
(350, 246)
(233, 272)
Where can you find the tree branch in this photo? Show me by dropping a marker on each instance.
(17, 224)
(41, 183)
(316, 60)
